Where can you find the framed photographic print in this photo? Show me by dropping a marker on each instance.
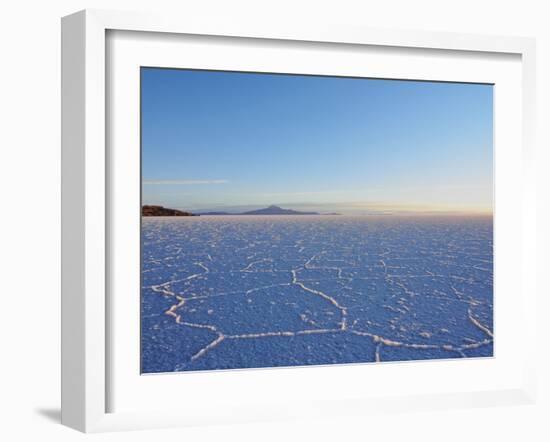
(276, 221)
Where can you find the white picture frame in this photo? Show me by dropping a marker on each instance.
(86, 315)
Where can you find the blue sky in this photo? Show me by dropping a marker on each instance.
(233, 141)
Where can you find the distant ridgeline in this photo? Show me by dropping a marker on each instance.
(163, 211)
(271, 210)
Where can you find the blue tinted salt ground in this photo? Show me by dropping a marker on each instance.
(224, 292)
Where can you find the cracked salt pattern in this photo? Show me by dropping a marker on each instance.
(226, 292)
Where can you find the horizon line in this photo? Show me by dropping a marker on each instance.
(385, 211)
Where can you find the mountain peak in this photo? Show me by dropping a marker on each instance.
(276, 210)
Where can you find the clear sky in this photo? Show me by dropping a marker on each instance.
(233, 141)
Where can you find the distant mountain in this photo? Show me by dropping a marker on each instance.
(163, 211)
(332, 213)
(276, 210)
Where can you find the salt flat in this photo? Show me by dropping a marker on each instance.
(222, 292)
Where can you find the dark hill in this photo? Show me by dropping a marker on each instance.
(163, 211)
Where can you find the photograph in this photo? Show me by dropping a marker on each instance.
(292, 220)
